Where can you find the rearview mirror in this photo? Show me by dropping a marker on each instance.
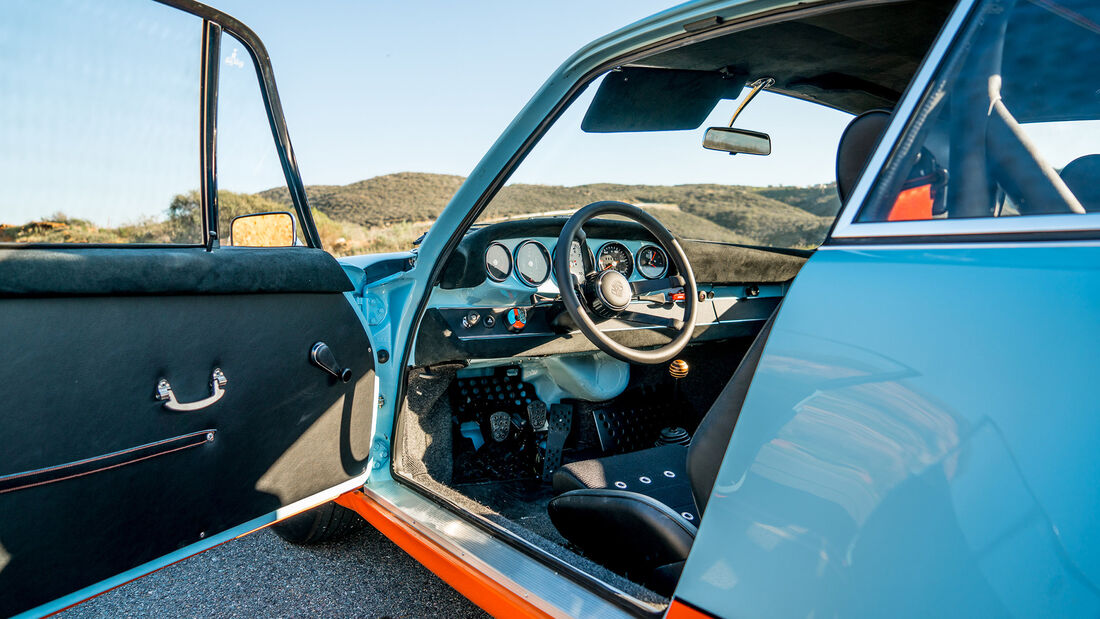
(262, 230)
(735, 141)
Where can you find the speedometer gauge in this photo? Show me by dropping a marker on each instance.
(652, 262)
(532, 263)
(616, 256)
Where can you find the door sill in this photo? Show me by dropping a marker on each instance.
(524, 566)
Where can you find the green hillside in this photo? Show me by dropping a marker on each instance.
(393, 198)
(780, 216)
(387, 213)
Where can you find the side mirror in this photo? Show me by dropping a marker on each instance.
(262, 230)
(735, 141)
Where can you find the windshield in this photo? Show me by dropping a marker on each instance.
(787, 199)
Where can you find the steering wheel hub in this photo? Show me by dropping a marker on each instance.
(610, 293)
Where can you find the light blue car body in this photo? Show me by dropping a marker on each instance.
(919, 440)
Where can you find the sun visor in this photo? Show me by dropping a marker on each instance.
(648, 99)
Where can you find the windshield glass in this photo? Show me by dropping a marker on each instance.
(787, 199)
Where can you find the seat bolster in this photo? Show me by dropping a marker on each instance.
(566, 479)
(624, 530)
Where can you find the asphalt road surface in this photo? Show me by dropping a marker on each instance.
(364, 575)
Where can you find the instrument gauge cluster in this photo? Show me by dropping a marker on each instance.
(529, 261)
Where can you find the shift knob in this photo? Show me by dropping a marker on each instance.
(678, 369)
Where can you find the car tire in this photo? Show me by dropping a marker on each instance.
(321, 524)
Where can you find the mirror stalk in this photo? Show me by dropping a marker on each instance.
(757, 86)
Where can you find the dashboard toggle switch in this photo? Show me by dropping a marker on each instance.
(516, 319)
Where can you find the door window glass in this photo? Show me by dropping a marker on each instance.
(250, 174)
(99, 121)
(1012, 126)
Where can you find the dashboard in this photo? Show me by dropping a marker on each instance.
(497, 296)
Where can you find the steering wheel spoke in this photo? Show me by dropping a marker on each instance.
(650, 319)
(651, 286)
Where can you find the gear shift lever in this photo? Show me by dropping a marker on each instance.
(675, 435)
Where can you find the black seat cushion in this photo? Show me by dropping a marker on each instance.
(659, 473)
(626, 531)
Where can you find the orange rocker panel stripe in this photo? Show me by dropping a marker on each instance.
(680, 610)
(490, 595)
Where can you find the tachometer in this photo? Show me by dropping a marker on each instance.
(616, 256)
(498, 262)
(532, 263)
(652, 262)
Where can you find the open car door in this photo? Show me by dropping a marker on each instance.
(159, 399)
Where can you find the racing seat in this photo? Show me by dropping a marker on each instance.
(636, 513)
(856, 143)
(1082, 176)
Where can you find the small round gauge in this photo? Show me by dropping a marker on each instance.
(616, 256)
(576, 259)
(652, 262)
(532, 263)
(498, 262)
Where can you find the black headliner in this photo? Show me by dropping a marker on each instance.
(854, 60)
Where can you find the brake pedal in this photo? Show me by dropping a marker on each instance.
(561, 421)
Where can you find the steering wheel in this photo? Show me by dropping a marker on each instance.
(607, 293)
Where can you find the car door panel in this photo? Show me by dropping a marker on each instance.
(918, 445)
(98, 476)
